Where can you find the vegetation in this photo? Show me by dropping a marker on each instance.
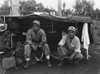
(81, 8)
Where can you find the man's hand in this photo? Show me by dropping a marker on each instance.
(71, 48)
(34, 47)
(71, 58)
(40, 46)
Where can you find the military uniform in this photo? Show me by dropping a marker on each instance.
(35, 40)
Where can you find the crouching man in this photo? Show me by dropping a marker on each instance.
(36, 37)
(70, 46)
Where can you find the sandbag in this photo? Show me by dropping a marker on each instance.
(19, 61)
(8, 62)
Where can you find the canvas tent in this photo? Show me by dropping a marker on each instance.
(52, 25)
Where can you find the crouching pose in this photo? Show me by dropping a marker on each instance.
(70, 46)
(36, 37)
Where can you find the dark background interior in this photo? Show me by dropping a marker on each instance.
(52, 28)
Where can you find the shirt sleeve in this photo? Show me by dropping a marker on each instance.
(28, 37)
(63, 40)
(77, 46)
(43, 38)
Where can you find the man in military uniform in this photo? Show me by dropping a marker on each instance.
(36, 37)
(70, 46)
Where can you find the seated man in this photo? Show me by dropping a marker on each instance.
(36, 37)
(70, 46)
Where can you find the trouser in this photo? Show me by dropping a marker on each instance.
(28, 48)
(62, 52)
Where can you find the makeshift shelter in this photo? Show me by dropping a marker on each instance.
(52, 25)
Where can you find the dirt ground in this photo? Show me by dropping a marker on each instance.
(91, 66)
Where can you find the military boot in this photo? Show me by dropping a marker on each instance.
(60, 64)
(26, 65)
(48, 63)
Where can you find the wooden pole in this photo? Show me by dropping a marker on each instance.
(10, 7)
(59, 8)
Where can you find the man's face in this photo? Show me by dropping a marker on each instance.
(36, 27)
(71, 34)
